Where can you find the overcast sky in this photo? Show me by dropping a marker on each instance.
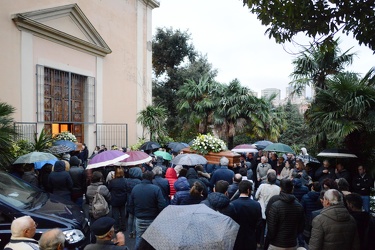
(235, 43)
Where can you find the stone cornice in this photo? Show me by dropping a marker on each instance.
(152, 3)
(30, 21)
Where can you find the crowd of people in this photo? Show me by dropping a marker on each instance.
(279, 201)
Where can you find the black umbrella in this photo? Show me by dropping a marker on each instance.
(150, 146)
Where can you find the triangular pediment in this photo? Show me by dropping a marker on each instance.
(66, 25)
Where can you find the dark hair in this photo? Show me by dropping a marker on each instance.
(286, 185)
(355, 200)
(221, 186)
(199, 168)
(97, 176)
(331, 184)
(343, 184)
(316, 186)
(243, 171)
(271, 178)
(244, 186)
(196, 189)
(148, 175)
(183, 172)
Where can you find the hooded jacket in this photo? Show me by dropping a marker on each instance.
(182, 188)
(334, 228)
(78, 176)
(60, 181)
(299, 190)
(221, 203)
(192, 176)
(135, 177)
(285, 220)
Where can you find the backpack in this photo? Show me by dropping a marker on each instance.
(99, 205)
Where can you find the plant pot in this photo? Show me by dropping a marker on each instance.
(214, 158)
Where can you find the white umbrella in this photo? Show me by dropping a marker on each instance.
(189, 159)
(191, 227)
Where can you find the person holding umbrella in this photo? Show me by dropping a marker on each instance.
(324, 172)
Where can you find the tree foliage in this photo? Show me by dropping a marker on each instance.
(316, 18)
(7, 133)
(153, 119)
(345, 112)
(316, 63)
(296, 131)
(170, 48)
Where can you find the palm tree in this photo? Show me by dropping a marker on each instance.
(316, 63)
(345, 111)
(197, 103)
(153, 118)
(7, 133)
(235, 103)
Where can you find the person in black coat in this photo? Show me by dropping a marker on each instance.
(60, 181)
(161, 182)
(285, 217)
(135, 177)
(79, 180)
(117, 188)
(146, 202)
(195, 194)
(325, 172)
(192, 176)
(248, 215)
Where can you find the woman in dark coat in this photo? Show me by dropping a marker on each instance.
(60, 181)
(135, 177)
(195, 195)
(117, 187)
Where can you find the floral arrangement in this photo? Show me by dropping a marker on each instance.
(66, 136)
(204, 144)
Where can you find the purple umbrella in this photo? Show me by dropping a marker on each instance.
(106, 158)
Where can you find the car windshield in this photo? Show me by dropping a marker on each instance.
(17, 192)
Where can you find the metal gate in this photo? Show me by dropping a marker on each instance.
(25, 131)
(109, 134)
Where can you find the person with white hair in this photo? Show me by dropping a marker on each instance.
(262, 169)
(222, 173)
(53, 239)
(23, 230)
(334, 227)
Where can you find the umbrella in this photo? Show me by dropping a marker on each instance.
(279, 147)
(192, 227)
(66, 143)
(189, 159)
(135, 158)
(59, 149)
(40, 164)
(245, 148)
(307, 159)
(177, 146)
(106, 158)
(262, 144)
(34, 157)
(336, 153)
(166, 156)
(150, 145)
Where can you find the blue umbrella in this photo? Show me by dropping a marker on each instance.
(66, 143)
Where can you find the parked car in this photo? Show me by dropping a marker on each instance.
(18, 198)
